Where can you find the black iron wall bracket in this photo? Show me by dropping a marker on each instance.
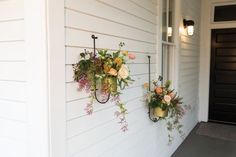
(94, 55)
(149, 88)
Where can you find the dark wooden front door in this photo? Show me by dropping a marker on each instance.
(222, 101)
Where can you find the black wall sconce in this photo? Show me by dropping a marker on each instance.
(189, 25)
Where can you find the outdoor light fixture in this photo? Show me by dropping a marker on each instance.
(169, 31)
(189, 24)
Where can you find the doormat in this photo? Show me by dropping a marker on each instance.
(219, 131)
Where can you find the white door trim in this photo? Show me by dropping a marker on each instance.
(44, 37)
(204, 77)
(56, 77)
(37, 78)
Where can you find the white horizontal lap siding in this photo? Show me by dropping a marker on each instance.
(148, 6)
(15, 51)
(82, 38)
(13, 110)
(13, 71)
(131, 8)
(11, 9)
(112, 140)
(84, 6)
(72, 55)
(194, 10)
(12, 148)
(129, 21)
(97, 24)
(189, 63)
(13, 83)
(14, 29)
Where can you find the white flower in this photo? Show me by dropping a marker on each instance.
(87, 57)
(167, 99)
(123, 72)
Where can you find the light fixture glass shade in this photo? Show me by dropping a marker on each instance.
(169, 31)
(190, 30)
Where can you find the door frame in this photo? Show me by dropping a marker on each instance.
(205, 52)
(45, 41)
(55, 17)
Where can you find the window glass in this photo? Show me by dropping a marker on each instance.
(225, 13)
(168, 47)
(164, 20)
(170, 21)
(167, 62)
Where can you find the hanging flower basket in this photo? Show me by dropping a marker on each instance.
(166, 105)
(106, 74)
(160, 113)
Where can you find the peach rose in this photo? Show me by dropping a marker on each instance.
(113, 72)
(106, 68)
(145, 85)
(159, 90)
(123, 72)
(167, 99)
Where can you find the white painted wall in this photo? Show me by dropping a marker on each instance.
(133, 22)
(41, 111)
(24, 120)
(13, 81)
(136, 23)
(206, 26)
(189, 61)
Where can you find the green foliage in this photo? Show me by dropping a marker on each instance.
(167, 84)
(85, 65)
(116, 54)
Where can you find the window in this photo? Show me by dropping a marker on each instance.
(168, 45)
(225, 13)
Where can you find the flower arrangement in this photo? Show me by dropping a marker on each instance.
(107, 71)
(166, 105)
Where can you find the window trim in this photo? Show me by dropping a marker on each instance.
(173, 44)
(213, 5)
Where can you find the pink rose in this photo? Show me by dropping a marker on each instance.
(172, 95)
(131, 56)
